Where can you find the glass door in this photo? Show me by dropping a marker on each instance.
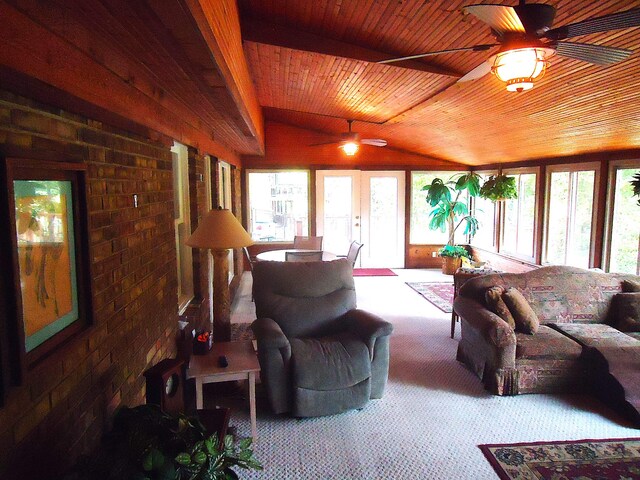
(364, 206)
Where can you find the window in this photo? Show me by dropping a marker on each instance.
(623, 254)
(420, 233)
(182, 224)
(485, 212)
(518, 216)
(278, 205)
(570, 210)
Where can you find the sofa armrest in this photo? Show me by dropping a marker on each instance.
(269, 334)
(493, 330)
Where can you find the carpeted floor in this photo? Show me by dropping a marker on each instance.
(440, 294)
(615, 459)
(434, 413)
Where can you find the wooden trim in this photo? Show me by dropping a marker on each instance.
(601, 213)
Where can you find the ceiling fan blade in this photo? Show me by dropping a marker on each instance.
(480, 71)
(376, 142)
(596, 54)
(324, 143)
(536, 18)
(615, 21)
(475, 48)
(501, 18)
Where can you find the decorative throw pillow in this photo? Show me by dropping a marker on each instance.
(625, 312)
(630, 286)
(493, 298)
(525, 318)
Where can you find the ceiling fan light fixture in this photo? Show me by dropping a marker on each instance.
(520, 68)
(350, 148)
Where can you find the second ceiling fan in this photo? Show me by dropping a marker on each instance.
(350, 141)
(527, 41)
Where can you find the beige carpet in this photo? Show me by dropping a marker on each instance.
(434, 413)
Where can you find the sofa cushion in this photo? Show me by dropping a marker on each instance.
(630, 286)
(493, 297)
(525, 318)
(625, 312)
(329, 363)
(547, 343)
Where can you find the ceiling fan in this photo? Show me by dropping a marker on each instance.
(350, 141)
(527, 41)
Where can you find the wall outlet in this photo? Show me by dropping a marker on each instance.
(434, 254)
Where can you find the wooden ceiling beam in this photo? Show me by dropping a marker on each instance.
(259, 31)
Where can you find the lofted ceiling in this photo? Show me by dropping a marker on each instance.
(312, 63)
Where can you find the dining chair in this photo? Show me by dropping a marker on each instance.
(308, 243)
(315, 256)
(247, 257)
(354, 250)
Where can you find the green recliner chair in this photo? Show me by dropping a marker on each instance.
(319, 355)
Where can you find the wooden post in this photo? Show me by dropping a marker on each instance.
(221, 297)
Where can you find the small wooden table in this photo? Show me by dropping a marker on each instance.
(243, 365)
(281, 255)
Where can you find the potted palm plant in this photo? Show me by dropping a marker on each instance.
(449, 213)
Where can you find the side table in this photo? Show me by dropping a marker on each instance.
(243, 365)
(462, 275)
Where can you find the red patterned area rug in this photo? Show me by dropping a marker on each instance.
(440, 294)
(580, 459)
(373, 272)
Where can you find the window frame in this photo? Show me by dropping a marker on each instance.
(536, 226)
(570, 168)
(445, 175)
(184, 255)
(247, 199)
(614, 166)
(496, 215)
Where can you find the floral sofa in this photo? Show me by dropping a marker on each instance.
(509, 362)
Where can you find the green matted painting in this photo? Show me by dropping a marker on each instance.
(46, 258)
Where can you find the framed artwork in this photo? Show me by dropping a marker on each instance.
(48, 244)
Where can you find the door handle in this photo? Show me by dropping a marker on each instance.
(357, 225)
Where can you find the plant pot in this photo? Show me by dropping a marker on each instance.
(451, 264)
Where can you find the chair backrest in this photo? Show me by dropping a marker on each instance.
(305, 299)
(311, 256)
(247, 256)
(308, 243)
(354, 250)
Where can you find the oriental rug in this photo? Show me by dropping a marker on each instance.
(440, 294)
(579, 459)
(373, 272)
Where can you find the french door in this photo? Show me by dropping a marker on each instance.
(364, 206)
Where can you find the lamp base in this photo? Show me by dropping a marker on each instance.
(221, 297)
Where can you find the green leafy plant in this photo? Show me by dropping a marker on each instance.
(635, 183)
(149, 444)
(455, 251)
(449, 213)
(499, 187)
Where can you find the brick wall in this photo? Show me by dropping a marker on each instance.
(64, 403)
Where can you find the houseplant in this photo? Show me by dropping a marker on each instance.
(449, 213)
(146, 443)
(635, 183)
(499, 187)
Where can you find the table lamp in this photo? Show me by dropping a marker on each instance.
(219, 230)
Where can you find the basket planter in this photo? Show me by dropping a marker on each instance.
(451, 264)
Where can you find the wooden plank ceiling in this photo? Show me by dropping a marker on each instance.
(308, 61)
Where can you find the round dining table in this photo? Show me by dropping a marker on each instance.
(280, 255)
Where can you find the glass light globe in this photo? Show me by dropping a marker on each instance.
(519, 68)
(350, 148)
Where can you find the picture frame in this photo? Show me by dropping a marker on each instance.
(47, 296)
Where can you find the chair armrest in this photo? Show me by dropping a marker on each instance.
(367, 326)
(269, 334)
(489, 326)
